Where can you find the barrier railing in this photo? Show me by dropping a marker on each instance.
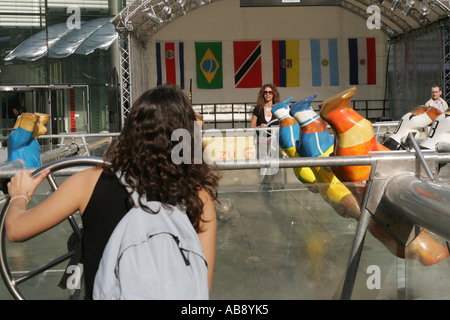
(239, 114)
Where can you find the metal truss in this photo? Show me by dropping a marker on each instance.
(141, 19)
(445, 63)
(125, 76)
(397, 22)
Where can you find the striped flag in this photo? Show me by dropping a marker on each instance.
(324, 62)
(247, 64)
(170, 63)
(286, 62)
(363, 67)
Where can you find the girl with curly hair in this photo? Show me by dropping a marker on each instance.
(143, 153)
(268, 96)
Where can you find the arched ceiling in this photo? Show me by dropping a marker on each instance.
(143, 18)
(395, 20)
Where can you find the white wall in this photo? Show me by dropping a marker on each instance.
(226, 21)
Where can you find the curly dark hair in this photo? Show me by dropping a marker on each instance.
(143, 151)
(275, 98)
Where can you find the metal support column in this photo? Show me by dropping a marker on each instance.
(445, 62)
(125, 77)
(358, 244)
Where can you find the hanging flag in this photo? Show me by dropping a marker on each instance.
(209, 65)
(363, 67)
(286, 63)
(247, 64)
(170, 63)
(324, 62)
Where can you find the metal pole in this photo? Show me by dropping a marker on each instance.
(420, 155)
(424, 203)
(358, 244)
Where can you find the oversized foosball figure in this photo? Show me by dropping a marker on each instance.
(289, 136)
(439, 131)
(355, 136)
(316, 141)
(22, 143)
(414, 121)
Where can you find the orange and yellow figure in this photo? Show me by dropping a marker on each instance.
(354, 134)
(22, 143)
(354, 137)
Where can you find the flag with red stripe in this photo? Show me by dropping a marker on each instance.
(363, 65)
(286, 62)
(170, 63)
(247, 64)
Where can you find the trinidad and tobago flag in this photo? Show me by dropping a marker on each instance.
(247, 64)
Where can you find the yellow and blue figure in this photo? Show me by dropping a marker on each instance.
(22, 143)
(316, 141)
(289, 137)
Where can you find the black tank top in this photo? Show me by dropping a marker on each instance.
(106, 207)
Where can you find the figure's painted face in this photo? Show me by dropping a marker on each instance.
(33, 122)
(27, 121)
(40, 128)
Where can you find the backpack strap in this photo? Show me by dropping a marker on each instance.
(149, 197)
(154, 197)
(74, 244)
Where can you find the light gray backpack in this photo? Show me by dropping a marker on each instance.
(152, 256)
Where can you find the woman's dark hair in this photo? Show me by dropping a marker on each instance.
(143, 151)
(275, 98)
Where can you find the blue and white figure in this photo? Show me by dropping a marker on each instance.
(290, 135)
(315, 138)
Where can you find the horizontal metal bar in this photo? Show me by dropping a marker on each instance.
(376, 126)
(72, 135)
(329, 161)
(443, 147)
(6, 172)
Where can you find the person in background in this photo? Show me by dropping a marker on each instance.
(262, 113)
(436, 101)
(16, 112)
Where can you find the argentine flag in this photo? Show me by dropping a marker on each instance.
(324, 62)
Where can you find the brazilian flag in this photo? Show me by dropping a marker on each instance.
(209, 65)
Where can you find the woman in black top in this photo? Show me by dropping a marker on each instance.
(143, 152)
(262, 113)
